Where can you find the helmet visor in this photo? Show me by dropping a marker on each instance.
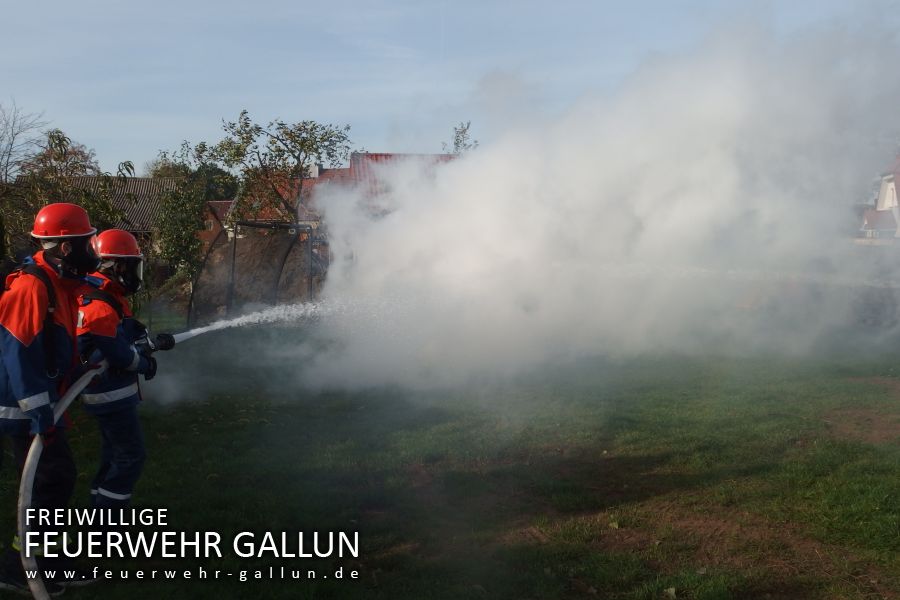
(132, 274)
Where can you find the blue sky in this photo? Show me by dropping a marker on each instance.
(129, 79)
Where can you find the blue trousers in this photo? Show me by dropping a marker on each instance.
(122, 458)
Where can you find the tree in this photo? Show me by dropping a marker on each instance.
(274, 160)
(194, 164)
(167, 166)
(182, 210)
(179, 219)
(59, 158)
(51, 175)
(462, 143)
(19, 136)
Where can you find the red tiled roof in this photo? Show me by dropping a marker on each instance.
(362, 163)
(339, 175)
(879, 220)
(359, 159)
(362, 171)
(220, 208)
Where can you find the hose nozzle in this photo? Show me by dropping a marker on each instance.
(164, 341)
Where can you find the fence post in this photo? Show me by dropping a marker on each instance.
(229, 297)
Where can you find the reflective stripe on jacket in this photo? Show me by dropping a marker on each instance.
(27, 391)
(103, 335)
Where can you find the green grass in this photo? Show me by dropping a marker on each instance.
(710, 478)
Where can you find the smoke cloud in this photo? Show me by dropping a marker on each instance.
(707, 201)
(703, 207)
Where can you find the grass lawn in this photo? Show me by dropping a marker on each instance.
(659, 477)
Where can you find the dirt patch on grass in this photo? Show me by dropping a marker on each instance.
(747, 542)
(870, 425)
(664, 521)
(627, 539)
(674, 536)
(735, 539)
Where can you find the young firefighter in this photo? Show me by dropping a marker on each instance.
(38, 359)
(108, 330)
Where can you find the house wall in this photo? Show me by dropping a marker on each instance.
(887, 195)
(212, 228)
(258, 274)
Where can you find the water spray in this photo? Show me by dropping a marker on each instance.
(276, 314)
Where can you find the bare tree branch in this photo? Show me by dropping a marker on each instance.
(19, 137)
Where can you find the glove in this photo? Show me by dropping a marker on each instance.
(150, 371)
(143, 347)
(164, 341)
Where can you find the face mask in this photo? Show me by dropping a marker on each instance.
(132, 275)
(80, 259)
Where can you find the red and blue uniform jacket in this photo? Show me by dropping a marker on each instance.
(102, 334)
(28, 392)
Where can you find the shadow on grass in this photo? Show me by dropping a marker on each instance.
(438, 494)
(444, 490)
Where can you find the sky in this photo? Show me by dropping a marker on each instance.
(130, 79)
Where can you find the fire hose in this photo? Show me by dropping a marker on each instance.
(29, 563)
(26, 485)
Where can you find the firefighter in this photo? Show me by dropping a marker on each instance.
(108, 330)
(38, 360)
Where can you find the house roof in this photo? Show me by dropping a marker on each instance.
(220, 208)
(139, 198)
(879, 220)
(364, 165)
(363, 171)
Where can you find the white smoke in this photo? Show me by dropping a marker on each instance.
(637, 221)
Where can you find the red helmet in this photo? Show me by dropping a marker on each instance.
(62, 220)
(116, 243)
